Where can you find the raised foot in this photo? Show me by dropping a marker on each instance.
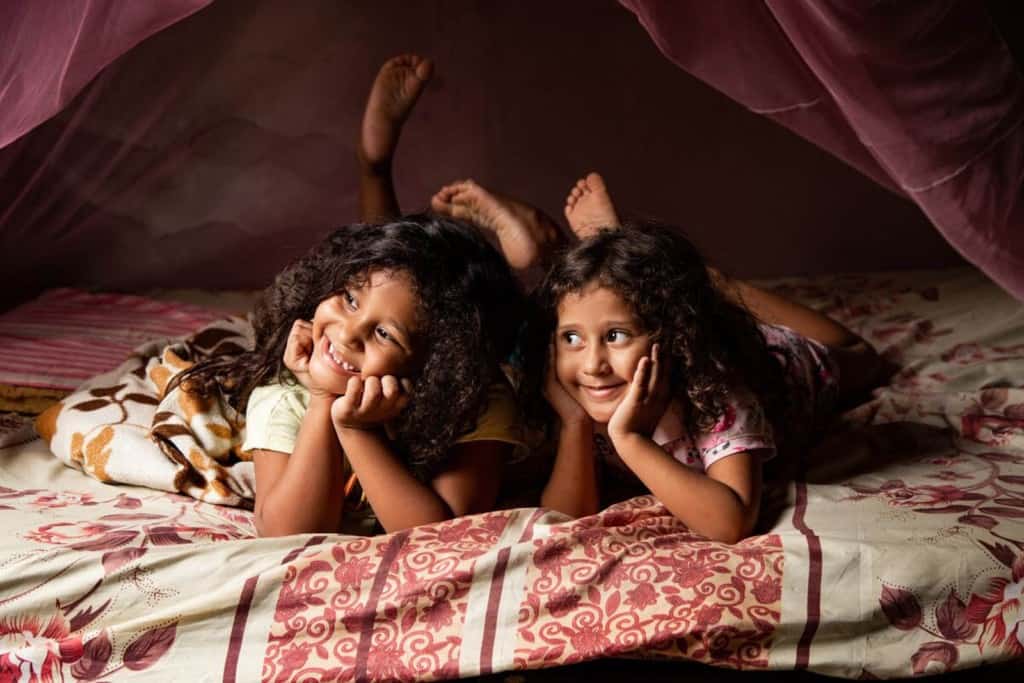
(589, 208)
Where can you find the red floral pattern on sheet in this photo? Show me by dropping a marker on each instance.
(628, 581)
(65, 644)
(991, 619)
(426, 604)
(418, 583)
(974, 486)
(633, 580)
(136, 530)
(34, 650)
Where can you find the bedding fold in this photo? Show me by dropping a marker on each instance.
(125, 427)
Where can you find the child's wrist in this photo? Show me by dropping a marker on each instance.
(624, 442)
(354, 430)
(321, 397)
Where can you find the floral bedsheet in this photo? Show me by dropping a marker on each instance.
(901, 551)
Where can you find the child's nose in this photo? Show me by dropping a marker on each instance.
(349, 335)
(595, 362)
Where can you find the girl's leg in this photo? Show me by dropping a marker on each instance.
(861, 369)
(778, 310)
(524, 234)
(398, 85)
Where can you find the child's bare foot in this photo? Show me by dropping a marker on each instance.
(588, 208)
(523, 232)
(397, 87)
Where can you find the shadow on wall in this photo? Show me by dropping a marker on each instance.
(222, 147)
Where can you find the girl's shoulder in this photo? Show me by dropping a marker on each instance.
(500, 419)
(287, 391)
(743, 426)
(273, 416)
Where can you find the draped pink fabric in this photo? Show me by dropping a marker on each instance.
(52, 48)
(190, 143)
(922, 96)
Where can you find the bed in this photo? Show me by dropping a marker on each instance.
(899, 552)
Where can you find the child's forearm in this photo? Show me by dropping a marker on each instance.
(398, 499)
(308, 496)
(573, 487)
(705, 505)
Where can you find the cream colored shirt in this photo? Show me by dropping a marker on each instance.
(275, 411)
(274, 415)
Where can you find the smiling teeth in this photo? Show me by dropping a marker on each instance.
(345, 365)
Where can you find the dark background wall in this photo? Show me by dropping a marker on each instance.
(222, 147)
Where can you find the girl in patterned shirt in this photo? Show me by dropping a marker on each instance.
(658, 367)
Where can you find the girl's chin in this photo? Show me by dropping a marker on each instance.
(601, 417)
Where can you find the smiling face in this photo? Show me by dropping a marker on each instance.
(598, 344)
(365, 330)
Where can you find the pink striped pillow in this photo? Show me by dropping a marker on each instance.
(66, 336)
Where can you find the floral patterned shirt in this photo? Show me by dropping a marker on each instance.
(811, 378)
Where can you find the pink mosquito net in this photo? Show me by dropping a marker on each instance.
(196, 143)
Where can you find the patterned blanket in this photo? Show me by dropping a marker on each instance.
(902, 551)
(124, 427)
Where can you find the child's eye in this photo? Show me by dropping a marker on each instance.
(571, 338)
(617, 336)
(383, 334)
(349, 299)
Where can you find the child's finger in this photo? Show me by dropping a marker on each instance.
(372, 394)
(652, 382)
(389, 387)
(645, 378)
(638, 387)
(353, 394)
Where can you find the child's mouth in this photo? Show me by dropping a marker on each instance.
(337, 360)
(603, 392)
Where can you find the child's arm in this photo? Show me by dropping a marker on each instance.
(398, 499)
(722, 503)
(302, 492)
(573, 486)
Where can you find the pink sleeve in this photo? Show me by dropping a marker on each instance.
(743, 427)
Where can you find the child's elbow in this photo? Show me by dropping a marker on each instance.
(268, 529)
(274, 526)
(574, 511)
(729, 536)
(733, 530)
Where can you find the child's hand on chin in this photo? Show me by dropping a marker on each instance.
(298, 352)
(644, 404)
(371, 402)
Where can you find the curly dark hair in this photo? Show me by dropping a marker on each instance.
(469, 305)
(712, 344)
